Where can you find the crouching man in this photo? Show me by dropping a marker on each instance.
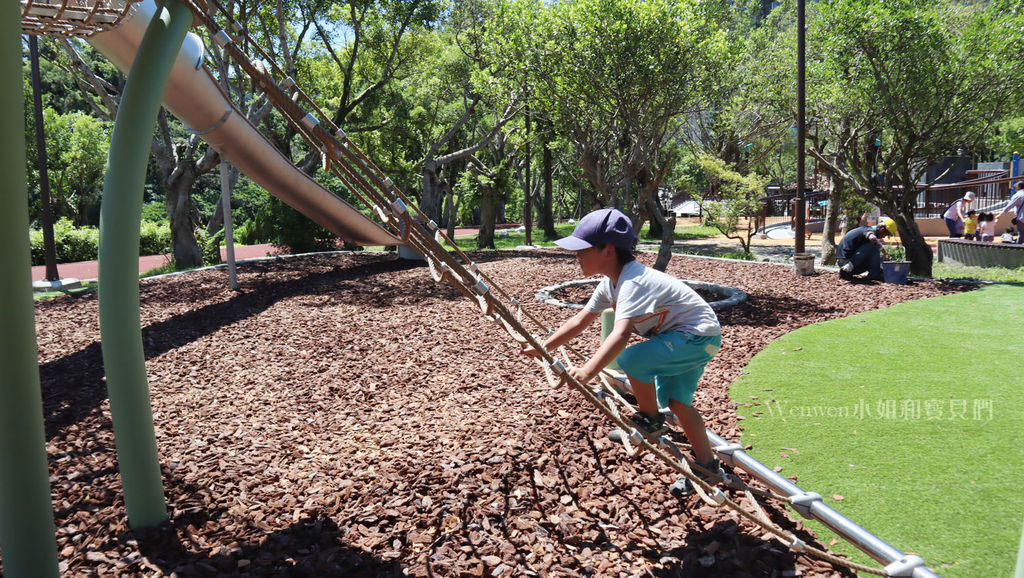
(860, 250)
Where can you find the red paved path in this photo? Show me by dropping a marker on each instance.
(90, 269)
(83, 270)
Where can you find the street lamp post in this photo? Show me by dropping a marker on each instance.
(801, 128)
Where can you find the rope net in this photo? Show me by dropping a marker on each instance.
(67, 18)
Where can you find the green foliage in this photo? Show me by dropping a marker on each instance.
(154, 238)
(210, 245)
(738, 203)
(82, 243)
(72, 243)
(467, 189)
(155, 212)
(76, 152)
(1008, 138)
(615, 77)
(288, 228)
(895, 252)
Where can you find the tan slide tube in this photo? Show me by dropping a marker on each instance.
(195, 98)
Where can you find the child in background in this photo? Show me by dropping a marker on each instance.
(1008, 235)
(971, 226)
(987, 223)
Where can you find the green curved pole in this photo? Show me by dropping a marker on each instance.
(28, 539)
(120, 217)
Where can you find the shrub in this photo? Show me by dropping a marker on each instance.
(155, 238)
(210, 245)
(82, 243)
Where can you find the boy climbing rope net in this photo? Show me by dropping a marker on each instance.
(681, 330)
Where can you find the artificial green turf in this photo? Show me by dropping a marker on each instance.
(955, 271)
(86, 287)
(910, 415)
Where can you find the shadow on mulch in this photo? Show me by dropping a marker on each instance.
(763, 311)
(73, 386)
(311, 547)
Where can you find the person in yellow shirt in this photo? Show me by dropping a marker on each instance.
(971, 226)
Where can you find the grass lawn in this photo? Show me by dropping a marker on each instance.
(906, 420)
(86, 287)
(954, 271)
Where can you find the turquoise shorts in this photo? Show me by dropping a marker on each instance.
(673, 361)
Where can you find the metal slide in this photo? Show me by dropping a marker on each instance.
(195, 98)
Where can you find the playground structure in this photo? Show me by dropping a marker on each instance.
(992, 187)
(160, 69)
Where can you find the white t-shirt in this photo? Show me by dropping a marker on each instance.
(657, 302)
(951, 212)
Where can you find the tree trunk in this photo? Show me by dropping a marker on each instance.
(668, 227)
(488, 215)
(433, 192)
(655, 230)
(828, 232)
(527, 189)
(547, 219)
(180, 210)
(919, 253)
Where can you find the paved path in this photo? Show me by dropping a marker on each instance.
(83, 270)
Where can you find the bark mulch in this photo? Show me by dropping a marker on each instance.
(344, 415)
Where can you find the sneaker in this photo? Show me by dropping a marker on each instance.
(654, 427)
(683, 487)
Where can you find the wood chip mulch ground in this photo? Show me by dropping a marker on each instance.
(343, 415)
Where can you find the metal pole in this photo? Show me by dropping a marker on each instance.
(528, 191)
(28, 539)
(120, 217)
(801, 128)
(229, 239)
(1014, 169)
(809, 505)
(49, 246)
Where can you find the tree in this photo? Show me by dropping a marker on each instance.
(76, 145)
(485, 106)
(897, 84)
(734, 200)
(618, 78)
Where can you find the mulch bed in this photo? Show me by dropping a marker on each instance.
(344, 415)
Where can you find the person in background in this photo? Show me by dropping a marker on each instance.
(860, 250)
(1008, 235)
(971, 226)
(954, 215)
(987, 227)
(1016, 204)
